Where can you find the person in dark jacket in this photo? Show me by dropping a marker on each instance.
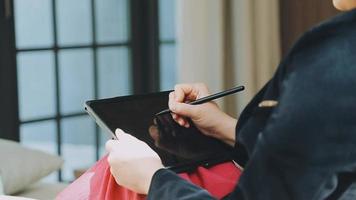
(299, 131)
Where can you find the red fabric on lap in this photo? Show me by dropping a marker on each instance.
(219, 180)
(98, 183)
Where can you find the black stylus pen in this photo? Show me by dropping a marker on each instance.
(210, 97)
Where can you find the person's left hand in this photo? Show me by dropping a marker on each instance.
(132, 162)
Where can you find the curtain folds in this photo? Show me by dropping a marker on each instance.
(227, 43)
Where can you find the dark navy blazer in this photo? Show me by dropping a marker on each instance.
(298, 148)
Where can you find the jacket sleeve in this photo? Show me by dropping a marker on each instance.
(310, 137)
(168, 185)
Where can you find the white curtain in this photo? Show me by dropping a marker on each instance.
(200, 42)
(226, 43)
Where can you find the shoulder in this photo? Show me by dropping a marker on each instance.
(319, 73)
(341, 27)
(331, 45)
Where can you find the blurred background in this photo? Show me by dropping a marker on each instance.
(56, 54)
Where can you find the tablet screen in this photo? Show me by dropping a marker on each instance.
(135, 114)
(187, 143)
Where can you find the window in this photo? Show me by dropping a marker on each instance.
(70, 51)
(167, 35)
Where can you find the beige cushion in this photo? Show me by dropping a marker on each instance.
(21, 166)
(42, 190)
(5, 197)
(1, 187)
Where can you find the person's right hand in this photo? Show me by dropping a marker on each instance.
(207, 117)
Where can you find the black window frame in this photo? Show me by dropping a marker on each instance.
(9, 118)
(144, 44)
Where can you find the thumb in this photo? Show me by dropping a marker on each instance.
(121, 135)
(186, 110)
(110, 144)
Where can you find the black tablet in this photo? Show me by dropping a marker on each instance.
(181, 149)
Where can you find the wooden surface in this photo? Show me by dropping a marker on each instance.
(297, 16)
(79, 172)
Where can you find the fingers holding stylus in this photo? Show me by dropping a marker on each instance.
(173, 104)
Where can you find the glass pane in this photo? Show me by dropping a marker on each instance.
(104, 136)
(76, 79)
(112, 20)
(167, 14)
(78, 144)
(33, 23)
(114, 72)
(168, 66)
(36, 84)
(74, 22)
(41, 136)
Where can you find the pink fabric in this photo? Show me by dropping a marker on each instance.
(98, 183)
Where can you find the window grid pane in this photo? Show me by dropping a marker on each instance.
(78, 151)
(167, 13)
(167, 66)
(112, 21)
(74, 22)
(114, 72)
(40, 135)
(33, 16)
(76, 79)
(35, 72)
